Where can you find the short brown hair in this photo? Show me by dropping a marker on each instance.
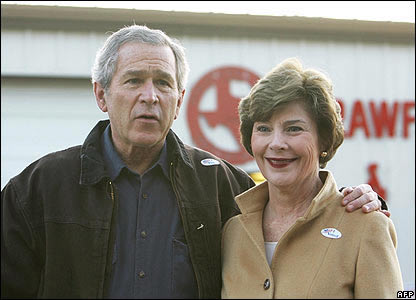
(286, 83)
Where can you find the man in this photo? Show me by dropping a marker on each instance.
(133, 212)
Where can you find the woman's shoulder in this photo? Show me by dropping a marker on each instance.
(376, 217)
(357, 221)
(373, 225)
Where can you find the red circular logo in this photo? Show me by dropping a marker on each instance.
(226, 113)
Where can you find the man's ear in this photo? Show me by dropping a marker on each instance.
(100, 97)
(178, 105)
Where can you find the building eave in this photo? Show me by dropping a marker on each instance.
(96, 18)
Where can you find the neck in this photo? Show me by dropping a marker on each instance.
(292, 202)
(140, 159)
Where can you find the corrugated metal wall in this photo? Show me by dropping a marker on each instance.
(48, 104)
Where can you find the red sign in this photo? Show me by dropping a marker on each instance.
(226, 113)
(374, 182)
(385, 118)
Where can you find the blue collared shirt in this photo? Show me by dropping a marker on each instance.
(151, 257)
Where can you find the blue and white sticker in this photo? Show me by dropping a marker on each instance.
(210, 162)
(331, 233)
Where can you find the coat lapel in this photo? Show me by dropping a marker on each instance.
(253, 201)
(251, 204)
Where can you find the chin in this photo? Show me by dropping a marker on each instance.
(279, 181)
(146, 140)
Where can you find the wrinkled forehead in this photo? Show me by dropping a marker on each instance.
(140, 56)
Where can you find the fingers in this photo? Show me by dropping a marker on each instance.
(361, 201)
(386, 212)
(373, 205)
(356, 192)
(345, 192)
(361, 196)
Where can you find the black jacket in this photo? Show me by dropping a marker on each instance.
(58, 220)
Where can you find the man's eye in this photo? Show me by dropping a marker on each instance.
(133, 81)
(163, 82)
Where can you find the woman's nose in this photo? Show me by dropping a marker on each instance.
(278, 141)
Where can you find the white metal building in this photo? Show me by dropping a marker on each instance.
(47, 103)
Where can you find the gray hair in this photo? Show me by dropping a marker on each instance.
(286, 83)
(106, 58)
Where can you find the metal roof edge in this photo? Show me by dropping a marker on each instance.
(241, 21)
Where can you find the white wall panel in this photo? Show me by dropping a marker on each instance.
(41, 116)
(48, 53)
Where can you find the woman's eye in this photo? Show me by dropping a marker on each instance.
(294, 129)
(262, 128)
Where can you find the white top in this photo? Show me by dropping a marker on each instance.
(270, 246)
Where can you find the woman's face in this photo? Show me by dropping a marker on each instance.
(286, 147)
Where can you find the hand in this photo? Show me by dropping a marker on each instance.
(362, 196)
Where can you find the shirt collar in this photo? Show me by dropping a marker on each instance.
(163, 161)
(115, 164)
(112, 160)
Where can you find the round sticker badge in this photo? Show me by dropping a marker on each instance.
(331, 233)
(209, 162)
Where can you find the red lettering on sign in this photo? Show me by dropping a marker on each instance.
(358, 119)
(406, 118)
(226, 113)
(382, 118)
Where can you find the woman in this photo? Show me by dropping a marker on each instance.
(293, 239)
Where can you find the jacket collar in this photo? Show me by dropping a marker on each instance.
(255, 199)
(93, 169)
(92, 163)
(325, 195)
(178, 149)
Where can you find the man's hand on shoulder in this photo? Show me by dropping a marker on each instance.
(362, 197)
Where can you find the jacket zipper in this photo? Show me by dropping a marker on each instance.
(111, 192)
(198, 279)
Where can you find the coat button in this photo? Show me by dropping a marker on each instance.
(266, 284)
(141, 274)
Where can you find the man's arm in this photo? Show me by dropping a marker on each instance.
(363, 197)
(20, 273)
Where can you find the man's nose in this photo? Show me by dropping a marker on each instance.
(147, 92)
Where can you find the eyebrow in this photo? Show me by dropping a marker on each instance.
(158, 73)
(289, 122)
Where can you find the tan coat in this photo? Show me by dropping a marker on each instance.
(362, 263)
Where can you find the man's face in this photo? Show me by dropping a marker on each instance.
(143, 98)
